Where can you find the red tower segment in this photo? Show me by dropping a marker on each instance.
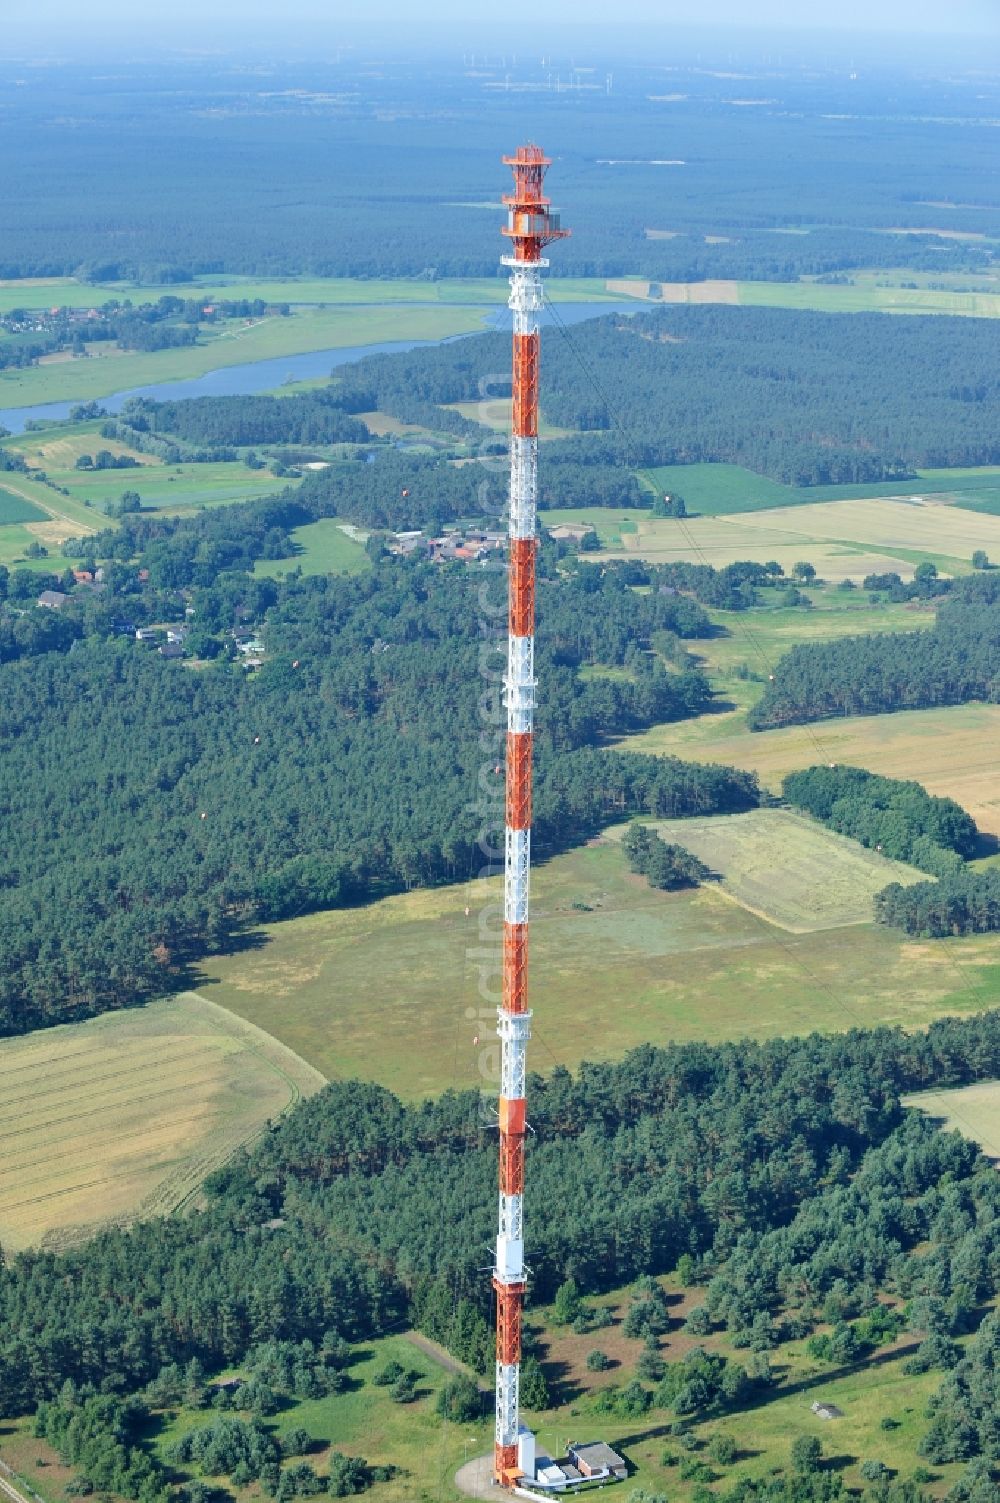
(530, 226)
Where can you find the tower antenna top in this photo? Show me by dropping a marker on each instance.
(531, 222)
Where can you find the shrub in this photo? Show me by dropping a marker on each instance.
(459, 1400)
(389, 1374)
(722, 1448)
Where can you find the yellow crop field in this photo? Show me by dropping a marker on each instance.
(124, 1115)
(842, 539)
(913, 522)
(951, 749)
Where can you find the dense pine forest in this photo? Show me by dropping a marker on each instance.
(160, 811)
(954, 662)
(807, 398)
(785, 1177)
(388, 165)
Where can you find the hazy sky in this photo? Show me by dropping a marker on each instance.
(52, 20)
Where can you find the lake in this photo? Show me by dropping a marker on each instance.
(267, 375)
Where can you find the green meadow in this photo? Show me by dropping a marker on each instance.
(322, 548)
(170, 488)
(716, 490)
(398, 991)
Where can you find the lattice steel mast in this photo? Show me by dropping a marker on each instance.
(531, 225)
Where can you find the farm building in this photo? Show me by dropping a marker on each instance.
(53, 600)
(826, 1411)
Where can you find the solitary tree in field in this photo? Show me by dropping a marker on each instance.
(807, 1453)
(567, 1303)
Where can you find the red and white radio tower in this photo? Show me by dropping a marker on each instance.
(530, 226)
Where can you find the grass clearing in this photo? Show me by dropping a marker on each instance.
(391, 991)
(495, 413)
(972, 1110)
(14, 540)
(787, 868)
(124, 1115)
(325, 547)
(362, 1421)
(868, 1392)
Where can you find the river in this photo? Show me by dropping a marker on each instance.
(267, 375)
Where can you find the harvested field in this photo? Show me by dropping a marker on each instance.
(788, 868)
(842, 539)
(951, 750)
(54, 533)
(61, 450)
(700, 292)
(916, 522)
(124, 1115)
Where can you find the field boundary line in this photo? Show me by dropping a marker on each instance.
(54, 513)
(8, 1479)
(258, 1042)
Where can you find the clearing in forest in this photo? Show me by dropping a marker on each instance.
(403, 991)
(788, 868)
(972, 1110)
(324, 547)
(124, 1115)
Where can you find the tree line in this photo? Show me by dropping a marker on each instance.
(900, 819)
(960, 902)
(953, 662)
